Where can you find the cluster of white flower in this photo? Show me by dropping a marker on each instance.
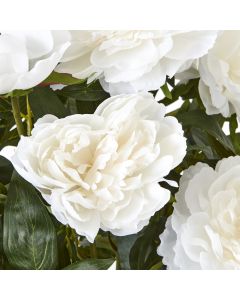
(124, 61)
(102, 171)
(127, 61)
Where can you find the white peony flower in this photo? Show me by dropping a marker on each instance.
(133, 61)
(204, 229)
(102, 170)
(28, 57)
(219, 86)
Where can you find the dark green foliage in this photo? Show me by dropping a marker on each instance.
(91, 264)
(124, 246)
(29, 236)
(83, 98)
(44, 101)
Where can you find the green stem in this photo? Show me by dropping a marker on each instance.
(17, 115)
(114, 248)
(29, 117)
(93, 250)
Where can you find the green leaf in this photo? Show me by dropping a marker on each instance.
(83, 98)
(61, 78)
(5, 109)
(44, 101)
(85, 92)
(29, 237)
(104, 247)
(17, 93)
(166, 91)
(124, 246)
(143, 255)
(1, 243)
(91, 264)
(6, 170)
(186, 91)
(202, 142)
(3, 189)
(233, 125)
(87, 107)
(210, 124)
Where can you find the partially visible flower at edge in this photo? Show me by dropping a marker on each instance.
(29, 57)
(203, 231)
(219, 85)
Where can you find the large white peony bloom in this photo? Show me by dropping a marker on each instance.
(102, 170)
(28, 57)
(219, 85)
(204, 229)
(133, 61)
